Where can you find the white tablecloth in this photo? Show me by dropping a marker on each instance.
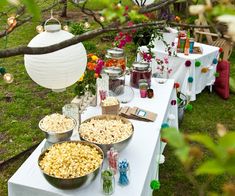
(141, 153)
(181, 73)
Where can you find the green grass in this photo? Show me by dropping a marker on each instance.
(29, 103)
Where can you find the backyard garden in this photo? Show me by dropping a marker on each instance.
(199, 158)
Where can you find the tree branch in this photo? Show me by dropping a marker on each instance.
(88, 35)
(155, 6)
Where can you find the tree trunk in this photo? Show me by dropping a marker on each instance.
(64, 9)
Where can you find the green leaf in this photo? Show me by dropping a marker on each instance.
(205, 140)
(228, 141)
(174, 137)
(183, 153)
(3, 3)
(32, 8)
(212, 167)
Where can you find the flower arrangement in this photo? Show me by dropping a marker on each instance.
(87, 82)
(162, 67)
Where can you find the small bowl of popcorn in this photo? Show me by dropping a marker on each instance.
(57, 127)
(71, 164)
(110, 106)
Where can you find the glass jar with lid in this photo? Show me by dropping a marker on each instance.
(116, 80)
(115, 57)
(140, 70)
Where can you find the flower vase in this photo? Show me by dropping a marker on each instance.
(163, 75)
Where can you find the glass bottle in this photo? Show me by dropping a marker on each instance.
(115, 57)
(140, 70)
(107, 182)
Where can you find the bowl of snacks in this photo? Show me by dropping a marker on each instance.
(71, 164)
(57, 127)
(110, 106)
(107, 131)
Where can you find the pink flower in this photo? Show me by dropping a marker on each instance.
(166, 60)
(128, 38)
(126, 8)
(121, 34)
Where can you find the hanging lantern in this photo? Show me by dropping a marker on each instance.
(60, 69)
(143, 2)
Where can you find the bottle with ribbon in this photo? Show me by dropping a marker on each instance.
(124, 169)
(107, 182)
(112, 156)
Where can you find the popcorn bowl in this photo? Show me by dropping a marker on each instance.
(75, 182)
(120, 145)
(54, 136)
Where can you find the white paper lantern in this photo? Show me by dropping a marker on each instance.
(59, 69)
(143, 2)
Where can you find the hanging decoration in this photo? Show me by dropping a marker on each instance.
(204, 70)
(198, 63)
(57, 70)
(7, 77)
(165, 125)
(188, 63)
(215, 61)
(190, 79)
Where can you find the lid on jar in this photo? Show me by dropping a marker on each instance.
(141, 66)
(113, 72)
(115, 53)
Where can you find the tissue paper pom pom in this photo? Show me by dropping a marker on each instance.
(204, 70)
(165, 125)
(216, 74)
(188, 63)
(176, 85)
(221, 50)
(155, 185)
(173, 102)
(190, 79)
(164, 140)
(215, 61)
(197, 63)
(189, 107)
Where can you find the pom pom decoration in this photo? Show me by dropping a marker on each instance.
(204, 70)
(189, 107)
(173, 102)
(215, 61)
(198, 63)
(188, 63)
(190, 79)
(155, 185)
(221, 50)
(176, 85)
(165, 125)
(216, 74)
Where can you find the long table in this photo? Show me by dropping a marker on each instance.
(142, 152)
(180, 72)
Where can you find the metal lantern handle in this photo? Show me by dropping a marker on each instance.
(52, 18)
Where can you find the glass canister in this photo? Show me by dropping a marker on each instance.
(116, 80)
(115, 57)
(107, 182)
(140, 70)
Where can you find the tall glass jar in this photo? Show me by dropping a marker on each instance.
(116, 80)
(140, 70)
(115, 57)
(107, 182)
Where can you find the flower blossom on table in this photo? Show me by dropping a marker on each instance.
(147, 57)
(163, 65)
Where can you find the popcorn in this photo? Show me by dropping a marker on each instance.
(56, 123)
(105, 131)
(110, 101)
(70, 160)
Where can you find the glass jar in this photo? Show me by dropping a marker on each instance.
(107, 182)
(115, 57)
(116, 80)
(140, 70)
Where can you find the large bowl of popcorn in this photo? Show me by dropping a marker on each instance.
(107, 131)
(57, 127)
(71, 164)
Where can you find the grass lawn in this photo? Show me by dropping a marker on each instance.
(23, 103)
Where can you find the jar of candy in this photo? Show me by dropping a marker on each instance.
(107, 182)
(140, 70)
(116, 80)
(115, 57)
